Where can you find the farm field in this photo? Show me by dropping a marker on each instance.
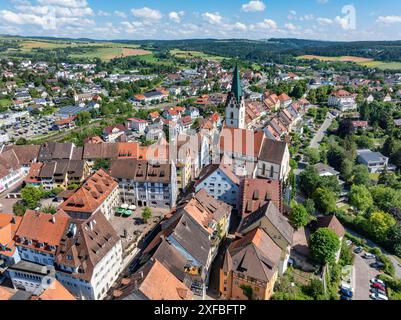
(195, 54)
(369, 63)
(103, 50)
(109, 53)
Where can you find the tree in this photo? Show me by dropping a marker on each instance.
(299, 217)
(146, 214)
(312, 155)
(325, 200)
(101, 163)
(83, 118)
(309, 180)
(330, 183)
(31, 196)
(19, 209)
(315, 289)
(394, 238)
(387, 178)
(346, 128)
(360, 198)
(310, 206)
(346, 170)
(324, 244)
(361, 175)
(386, 198)
(378, 225)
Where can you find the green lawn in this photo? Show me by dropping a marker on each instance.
(5, 102)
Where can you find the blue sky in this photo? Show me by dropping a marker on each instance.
(183, 19)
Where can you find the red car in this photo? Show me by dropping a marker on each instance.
(378, 286)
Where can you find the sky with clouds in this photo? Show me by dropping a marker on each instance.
(184, 19)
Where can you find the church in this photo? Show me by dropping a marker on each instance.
(249, 152)
(235, 105)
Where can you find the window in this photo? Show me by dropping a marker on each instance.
(271, 172)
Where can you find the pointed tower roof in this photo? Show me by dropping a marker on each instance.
(236, 86)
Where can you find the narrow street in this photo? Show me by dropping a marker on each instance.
(322, 131)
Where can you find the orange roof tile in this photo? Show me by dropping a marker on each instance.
(56, 291)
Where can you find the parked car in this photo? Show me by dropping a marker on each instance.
(346, 286)
(343, 297)
(358, 250)
(375, 290)
(348, 242)
(377, 265)
(347, 293)
(378, 296)
(375, 280)
(368, 255)
(378, 286)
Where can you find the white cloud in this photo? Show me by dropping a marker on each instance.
(65, 3)
(102, 13)
(213, 18)
(253, 6)
(239, 26)
(147, 13)
(324, 21)
(120, 14)
(342, 22)
(290, 26)
(266, 24)
(176, 16)
(307, 17)
(387, 20)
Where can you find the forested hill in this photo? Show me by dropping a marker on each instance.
(275, 49)
(279, 50)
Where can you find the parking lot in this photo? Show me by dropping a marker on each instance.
(363, 274)
(30, 127)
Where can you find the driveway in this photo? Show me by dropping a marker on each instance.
(322, 131)
(363, 273)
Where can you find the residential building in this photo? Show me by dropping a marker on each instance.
(220, 182)
(375, 161)
(31, 277)
(273, 160)
(137, 125)
(145, 184)
(343, 100)
(39, 235)
(99, 193)
(153, 282)
(276, 226)
(89, 258)
(9, 254)
(255, 193)
(250, 262)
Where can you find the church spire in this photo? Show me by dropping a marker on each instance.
(236, 85)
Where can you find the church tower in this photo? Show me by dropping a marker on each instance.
(235, 105)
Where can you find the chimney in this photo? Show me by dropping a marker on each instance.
(53, 220)
(13, 220)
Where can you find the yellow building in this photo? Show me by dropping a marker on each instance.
(250, 267)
